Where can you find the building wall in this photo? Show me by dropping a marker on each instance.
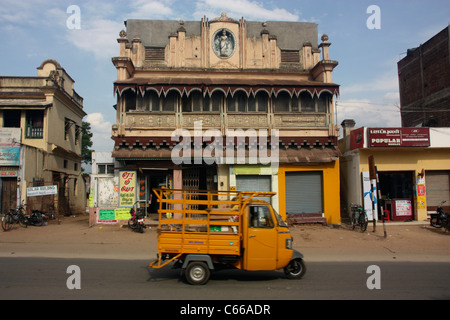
(331, 189)
(275, 64)
(424, 83)
(50, 156)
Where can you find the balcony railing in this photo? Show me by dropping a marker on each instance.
(145, 120)
(34, 132)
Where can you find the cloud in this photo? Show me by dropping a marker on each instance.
(386, 82)
(101, 130)
(98, 123)
(96, 36)
(151, 9)
(369, 113)
(251, 10)
(374, 103)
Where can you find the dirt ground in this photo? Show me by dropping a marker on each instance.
(73, 238)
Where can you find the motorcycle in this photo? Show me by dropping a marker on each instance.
(36, 218)
(136, 222)
(440, 218)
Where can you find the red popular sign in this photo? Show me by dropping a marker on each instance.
(399, 137)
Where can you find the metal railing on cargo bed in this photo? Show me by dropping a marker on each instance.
(200, 222)
(202, 210)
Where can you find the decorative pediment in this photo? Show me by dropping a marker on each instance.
(223, 18)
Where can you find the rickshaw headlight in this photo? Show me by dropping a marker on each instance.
(289, 243)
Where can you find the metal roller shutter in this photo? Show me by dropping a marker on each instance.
(304, 192)
(437, 188)
(253, 183)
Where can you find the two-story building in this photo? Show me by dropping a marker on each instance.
(40, 137)
(226, 104)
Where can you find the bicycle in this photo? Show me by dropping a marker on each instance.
(13, 217)
(359, 217)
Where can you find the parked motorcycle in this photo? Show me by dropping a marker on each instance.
(440, 218)
(136, 222)
(36, 218)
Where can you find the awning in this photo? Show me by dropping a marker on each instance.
(228, 86)
(285, 156)
(32, 103)
(66, 153)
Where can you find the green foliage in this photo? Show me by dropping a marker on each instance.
(86, 142)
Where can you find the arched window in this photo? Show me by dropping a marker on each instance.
(262, 99)
(217, 99)
(129, 100)
(193, 103)
(169, 103)
(154, 100)
(323, 102)
(237, 102)
(282, 102)
(307, 102)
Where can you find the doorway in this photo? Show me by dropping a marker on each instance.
(9, 194)
(397, 194)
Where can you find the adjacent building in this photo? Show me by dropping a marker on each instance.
(40, 142)
(424, 81)
(413, 169)
(227, 104)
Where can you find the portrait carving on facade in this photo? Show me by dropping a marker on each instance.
(223, 43)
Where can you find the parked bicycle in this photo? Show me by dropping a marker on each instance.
(13, 217)
(359, 217)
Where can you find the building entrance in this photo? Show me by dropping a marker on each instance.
(397, 196)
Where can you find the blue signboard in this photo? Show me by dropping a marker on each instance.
(9, 156)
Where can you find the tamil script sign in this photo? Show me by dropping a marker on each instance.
(127, 188)
(399, 137)
(42, 191)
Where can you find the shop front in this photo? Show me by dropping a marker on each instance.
(310, 192)
(413, 170)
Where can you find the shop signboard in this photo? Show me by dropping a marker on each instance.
(399, 137)
(127, 188)
(9, 156)
(357, 138)
(10, 146)
(42, 191)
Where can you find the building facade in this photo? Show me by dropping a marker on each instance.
(226, 104)
(40, 134)
(413, 169)
(424, 82)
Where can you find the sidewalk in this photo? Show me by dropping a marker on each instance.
(73, 238)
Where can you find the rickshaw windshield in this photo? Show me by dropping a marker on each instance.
(280, 221)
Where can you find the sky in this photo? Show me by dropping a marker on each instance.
(367, 42)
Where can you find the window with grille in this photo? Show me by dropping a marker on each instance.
(290, 56)
(154, 54)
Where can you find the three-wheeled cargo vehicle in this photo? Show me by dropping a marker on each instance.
(201, 231)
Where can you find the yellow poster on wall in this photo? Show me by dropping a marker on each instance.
(127, 188)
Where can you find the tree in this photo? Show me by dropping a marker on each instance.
(86, 142)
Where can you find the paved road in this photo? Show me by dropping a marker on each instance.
(46, 278)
